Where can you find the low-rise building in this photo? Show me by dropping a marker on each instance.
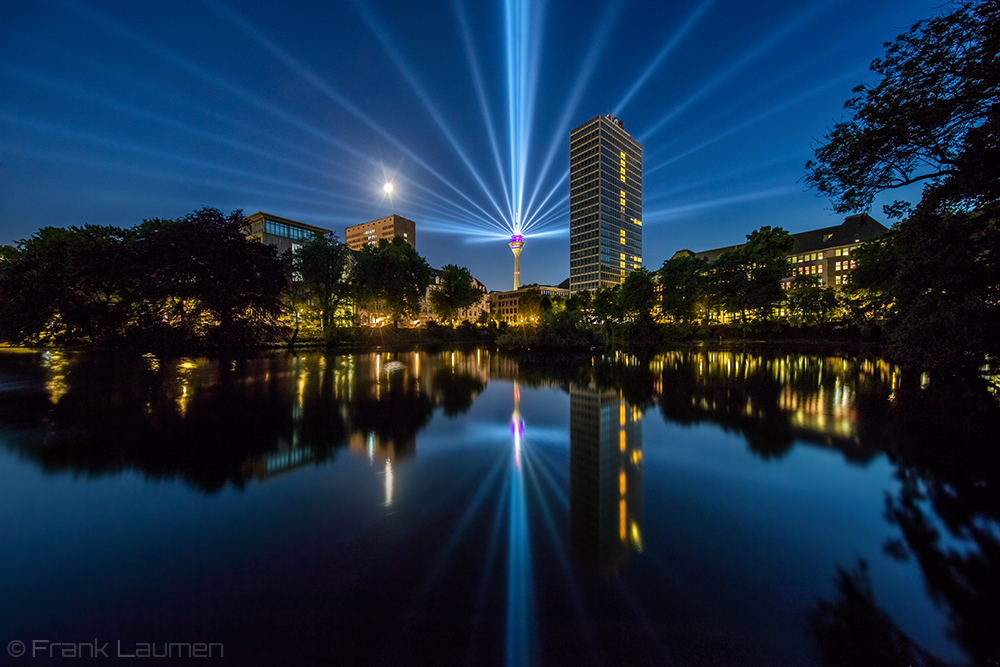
(825, 253)
(507, 305)
(470, 313)
(282, 233)
(369, 233)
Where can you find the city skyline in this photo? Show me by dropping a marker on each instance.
(116, 112)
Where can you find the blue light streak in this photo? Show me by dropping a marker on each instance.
(325, 88)
(465, 214)
(679, 211)
(597, 44)
(667, 49)
(797, 99)
(520, 586)
(388, 44)
(782, 33)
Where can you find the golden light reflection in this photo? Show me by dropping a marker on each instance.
(152, 363)
(56, 364)
(185, 366)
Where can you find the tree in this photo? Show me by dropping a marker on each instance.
(808, 302)
(637, 296)
(683, 283)
(204, 282)
(579, 301)
(529, 305)
(391, 276)
(455, 292)
(748, 279)
(67, 285)
(192, 280)
(322, 264)
(933, 117)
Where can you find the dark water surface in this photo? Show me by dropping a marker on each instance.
(694, 508)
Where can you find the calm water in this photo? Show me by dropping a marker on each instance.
(466, 508)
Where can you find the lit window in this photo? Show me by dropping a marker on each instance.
(838, 267)
(838, 280)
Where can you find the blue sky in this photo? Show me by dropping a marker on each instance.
(112, 112)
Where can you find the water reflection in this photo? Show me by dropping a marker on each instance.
(213, 422)
(218, 421)
(605, 487)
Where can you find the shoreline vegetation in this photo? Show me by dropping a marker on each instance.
(926, 293)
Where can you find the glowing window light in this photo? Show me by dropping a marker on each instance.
(621, 519)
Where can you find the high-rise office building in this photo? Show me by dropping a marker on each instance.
(605, 204)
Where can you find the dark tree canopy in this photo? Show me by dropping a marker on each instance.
(637, 296)
(932, 116)
(455, 292)
(748, 279)
(808, 302)
(191, 280)
(683, 284)
(391, 276)
(320, 269)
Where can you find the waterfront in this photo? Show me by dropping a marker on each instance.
(468, 508)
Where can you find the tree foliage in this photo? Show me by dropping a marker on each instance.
(808, 302)
(320, 268)
(637, 296)
(933, 117)
(455, 292)
(194, 280)
(683, 284)
(203, 281)
(748, 279)
(66, 285)
(390, 276)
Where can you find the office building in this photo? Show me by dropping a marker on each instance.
(369, 233)
(507, 305)
(605, 204)
(826, 253)
(281, 233)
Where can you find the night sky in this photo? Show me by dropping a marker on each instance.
(112, 112)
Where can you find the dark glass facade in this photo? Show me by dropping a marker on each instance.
(605, 204)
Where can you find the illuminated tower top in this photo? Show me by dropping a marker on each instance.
(516, 245)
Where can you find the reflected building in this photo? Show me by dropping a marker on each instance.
(605, 487)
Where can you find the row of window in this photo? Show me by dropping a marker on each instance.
(286, 230)
(816, 256)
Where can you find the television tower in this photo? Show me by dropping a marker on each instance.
(516, 245)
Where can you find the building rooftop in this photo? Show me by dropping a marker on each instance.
(854, 229)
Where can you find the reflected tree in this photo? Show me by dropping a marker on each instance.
(853, 630)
